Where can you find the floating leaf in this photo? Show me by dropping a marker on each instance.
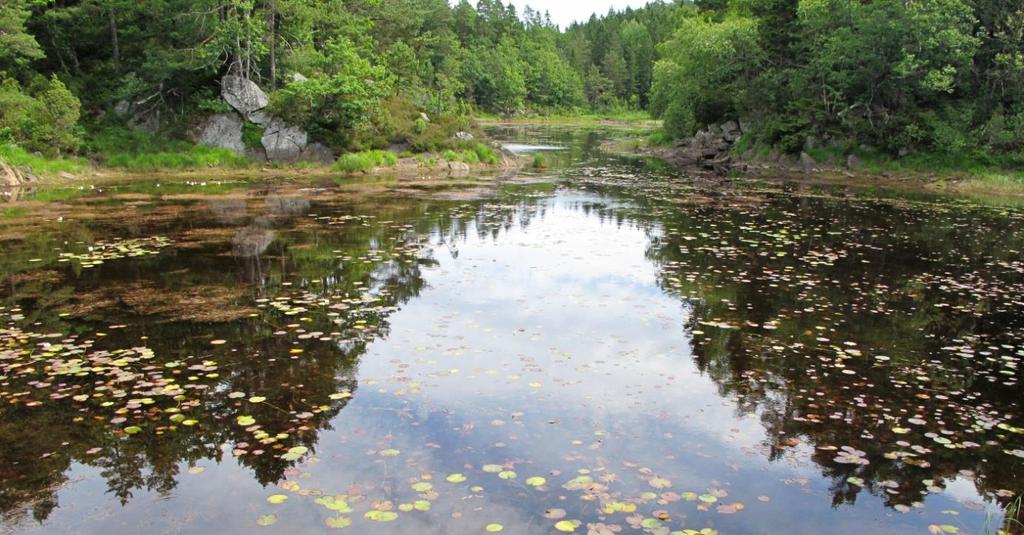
(422, 486)
(245, 420)
(566, 526)
(660, 483)
(338, 522)
(455, 478)
(536, 481)
(381, 516)
(389, 453)
(493, 528)
(266, 520)
(277, 498)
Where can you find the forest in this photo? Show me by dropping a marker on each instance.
(93, 77)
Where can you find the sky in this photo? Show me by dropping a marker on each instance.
(565, 12)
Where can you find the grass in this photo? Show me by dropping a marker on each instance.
(355, 162)
(132, 150)
(540, 162)
(16, 156)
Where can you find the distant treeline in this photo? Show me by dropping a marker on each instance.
(893, 74)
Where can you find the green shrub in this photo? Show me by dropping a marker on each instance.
(485, 154)
(540, 162)
(43, 118)
(252, 136)
(364, 161)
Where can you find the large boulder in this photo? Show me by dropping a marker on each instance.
(223, 130)
(243, 94)
(807, 163)
(284, 143)
(319, 153)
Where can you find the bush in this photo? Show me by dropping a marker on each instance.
(252, 135)
(43, 119)
(364, 161)
(485, 154)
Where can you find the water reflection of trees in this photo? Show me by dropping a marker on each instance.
(868, 293)
(260, 249)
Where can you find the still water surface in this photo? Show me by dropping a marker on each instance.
(601, 348)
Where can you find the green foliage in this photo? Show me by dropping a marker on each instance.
(539, 162)
(931, 77)
(252, 136)
(485, 154)
(17, 46)
(364, 161)
(337, 98)
(42, 118)
(706, 72)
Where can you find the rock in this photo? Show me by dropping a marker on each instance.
(223, 130)
(807, 163)
(810, 143)
(122, 108)
(261, 118)
(319, 153)
(284, 143)
(243, 94)
(256, 154)
(9, 176)
(464, 136)
(68, 176)
(458, 168)
(296, 77)
(145, 121)
(853, 162)
(425, 117)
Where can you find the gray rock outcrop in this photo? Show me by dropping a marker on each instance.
(243, 95)
(223, 130)
(807, 163)
(319, 153)
(282, 142)
(709, 149)
(9, 176)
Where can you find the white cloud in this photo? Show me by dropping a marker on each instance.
(565, 12)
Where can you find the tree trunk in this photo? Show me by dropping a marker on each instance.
(273, 46)
(114, 46)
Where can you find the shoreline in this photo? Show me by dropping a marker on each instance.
(960, 182)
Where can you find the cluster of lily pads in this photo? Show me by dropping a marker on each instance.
(103, 251)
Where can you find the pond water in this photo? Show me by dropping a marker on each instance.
(605, 347)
